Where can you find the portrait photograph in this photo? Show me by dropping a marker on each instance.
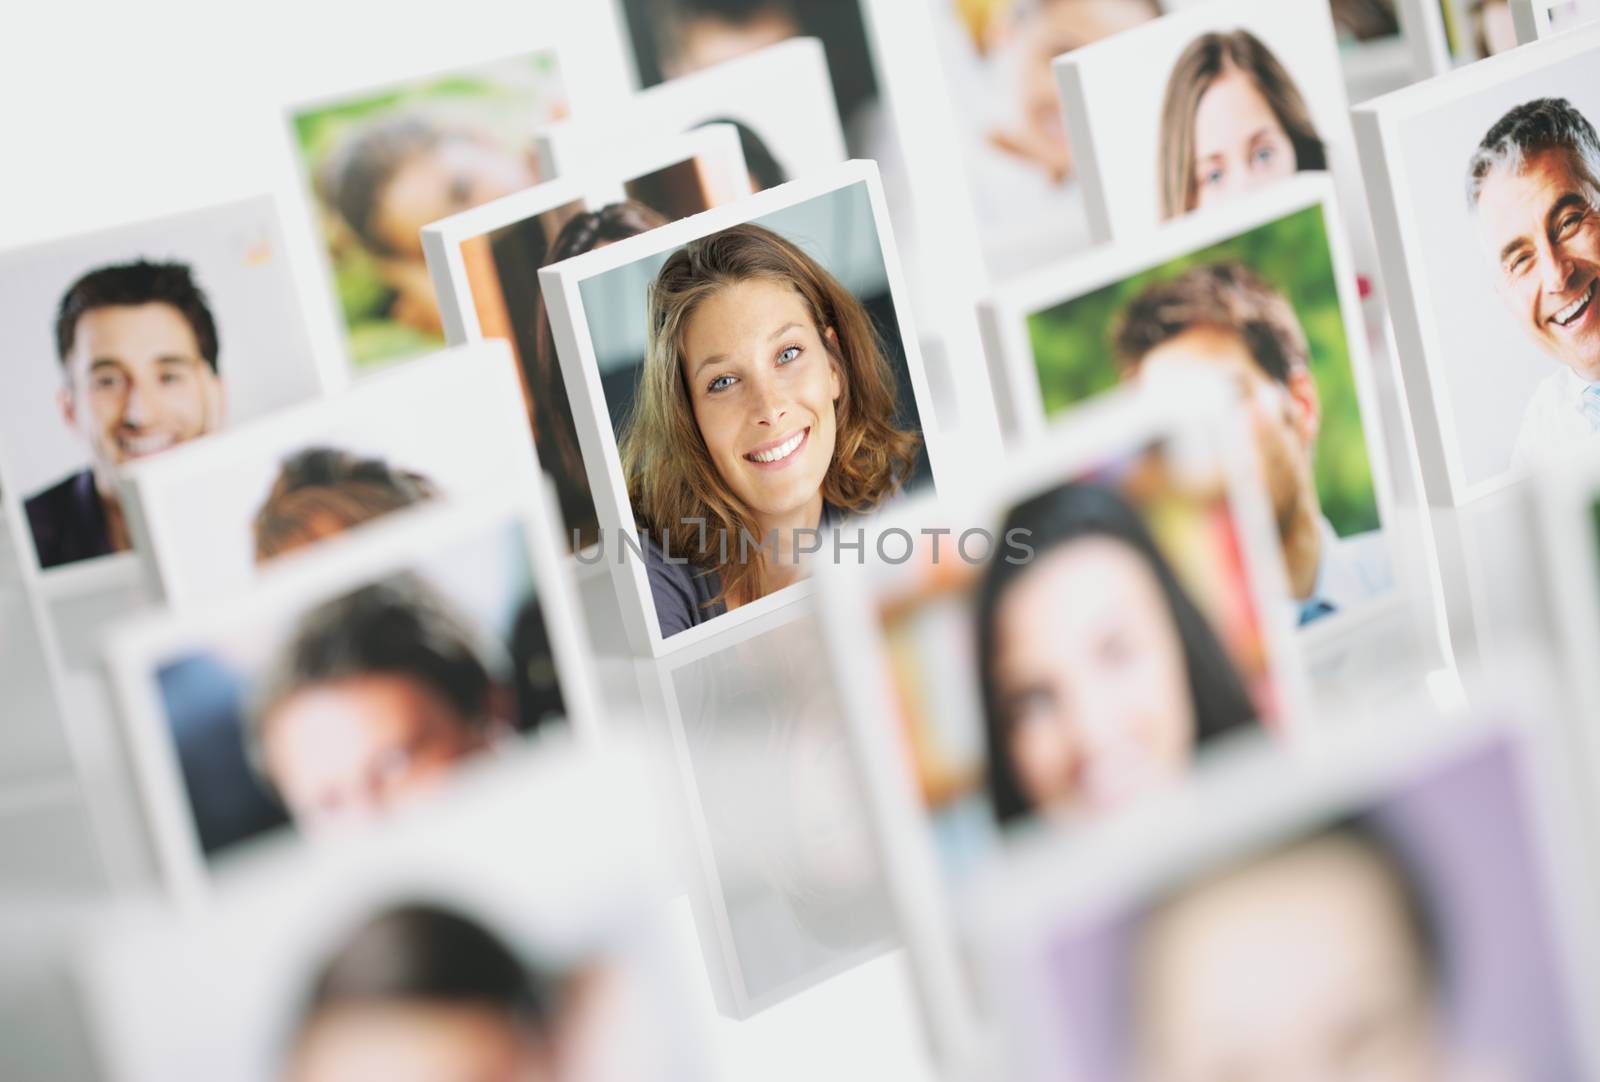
(1263, 294)
(351, 681)
(1027, 197)
(1151, 538)
(1401, 926)
(382, 162)
(128, 343)
(485, 263)
(208, 518)
(1487, 204)
(1249, 93)
(751, 381)
(1044, 657)
(418, 952)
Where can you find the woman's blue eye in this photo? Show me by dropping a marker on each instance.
(1264, 154)
(1211, 176)
(789, 354)
(721, 383)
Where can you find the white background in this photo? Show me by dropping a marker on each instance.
(113, 112)
(1489, 364)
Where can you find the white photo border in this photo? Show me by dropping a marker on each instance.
(1100, 429)
(135, 648)
(561, 287)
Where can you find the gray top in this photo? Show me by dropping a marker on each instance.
(681, 590)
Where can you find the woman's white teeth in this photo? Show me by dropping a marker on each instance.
(1572, 311)
(783, 450)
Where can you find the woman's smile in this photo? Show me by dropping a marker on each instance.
(777, 454)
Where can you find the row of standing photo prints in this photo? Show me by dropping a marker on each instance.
(1097, 655)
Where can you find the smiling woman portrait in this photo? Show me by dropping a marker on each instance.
(766, 406)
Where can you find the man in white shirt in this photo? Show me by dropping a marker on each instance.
(1223, 316)
(1534, 187)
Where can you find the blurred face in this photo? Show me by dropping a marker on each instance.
(136, 384)
(707, 41)
(354, 747)
(1092, 687)
(1545, 236)
(1298, 968)
(1059, 27)
(1498, 27)
(418, 1042)
(1239, 143)
(459, 173)
(1284, 418)
(763, 386)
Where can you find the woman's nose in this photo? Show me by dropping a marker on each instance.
(769, 403)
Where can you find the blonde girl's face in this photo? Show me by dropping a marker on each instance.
(1240, 145)
(763, 387)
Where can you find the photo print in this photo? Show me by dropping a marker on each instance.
(486, 262)
(132, 342)
(383, 162)
(749, 377)
(351, 681)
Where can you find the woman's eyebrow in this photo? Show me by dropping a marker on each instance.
(719, 358)
(716, 358)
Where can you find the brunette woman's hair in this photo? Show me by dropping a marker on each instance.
(672, 480)
(552, 414)
(1060, 516)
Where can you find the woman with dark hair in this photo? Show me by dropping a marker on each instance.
(553, 427)
(1232, 121)
(418, 991)
(767, 406)
(1099, 674)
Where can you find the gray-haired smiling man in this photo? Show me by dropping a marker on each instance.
(1534, 183)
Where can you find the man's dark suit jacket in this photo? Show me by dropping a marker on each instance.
(68, 522)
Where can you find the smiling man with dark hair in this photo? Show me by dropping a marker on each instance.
(138, 350)
(1534, 187)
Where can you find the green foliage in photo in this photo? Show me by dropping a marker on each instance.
(1072, 348)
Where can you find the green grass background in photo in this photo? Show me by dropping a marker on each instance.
(512, 98)
(1072, 352)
